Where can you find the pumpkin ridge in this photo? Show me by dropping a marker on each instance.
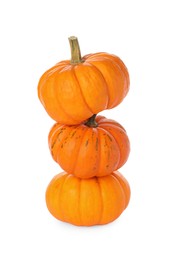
(108, 133)
(107, 88)
(122, 179)
(42, 82)
(112, 57)
(66, 67)
(89, 57)
(59, 102)
(82, 95)
(115, 64)
(99, 119)
(97, 148)
(122, 72)
(52, 135)
(56, 68)
(113, 61)
(101, 197)
(62, 142)
(112, 124)
(80, 215)
(123, 191)
(77, 153)
(59, 198)
(60, 201)
(120, 164)
(95, 132)
(122, 66)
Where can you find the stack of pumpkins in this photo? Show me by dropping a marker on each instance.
(88, 147)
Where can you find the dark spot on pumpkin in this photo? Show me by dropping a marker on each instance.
(109, 137)
(86, 143)
(58, 135)
(53, 144)
(73, 134)
(92, 135)
(62, 146)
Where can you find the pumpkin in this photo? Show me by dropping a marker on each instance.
(97, 146)
(87, 202)
(73, 90)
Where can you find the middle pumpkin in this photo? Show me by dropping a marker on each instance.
(96, 147)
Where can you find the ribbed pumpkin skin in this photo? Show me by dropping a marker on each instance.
(72, 93)
(87, 152)
(87, 202)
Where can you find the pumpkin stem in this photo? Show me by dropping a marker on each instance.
(91, 121)
(75, 50)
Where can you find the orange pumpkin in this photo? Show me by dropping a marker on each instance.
(97, 147)
(73, 91)
(87, 202)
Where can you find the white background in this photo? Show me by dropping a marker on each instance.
(34, 36)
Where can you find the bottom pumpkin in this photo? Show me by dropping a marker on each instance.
(87, 202)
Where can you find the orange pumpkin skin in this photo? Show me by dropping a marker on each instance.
(71, 93)
(96, 150)
(87, 202)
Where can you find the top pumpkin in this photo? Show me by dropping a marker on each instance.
(73, 91)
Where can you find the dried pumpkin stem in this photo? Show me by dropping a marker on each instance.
(91, 121)
(75, 50)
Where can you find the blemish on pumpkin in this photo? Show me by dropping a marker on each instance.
(86, 143)
(73, 134)
(53, 144)
(109, 137)
(92, 136)
(59, 133)
(62, 146)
